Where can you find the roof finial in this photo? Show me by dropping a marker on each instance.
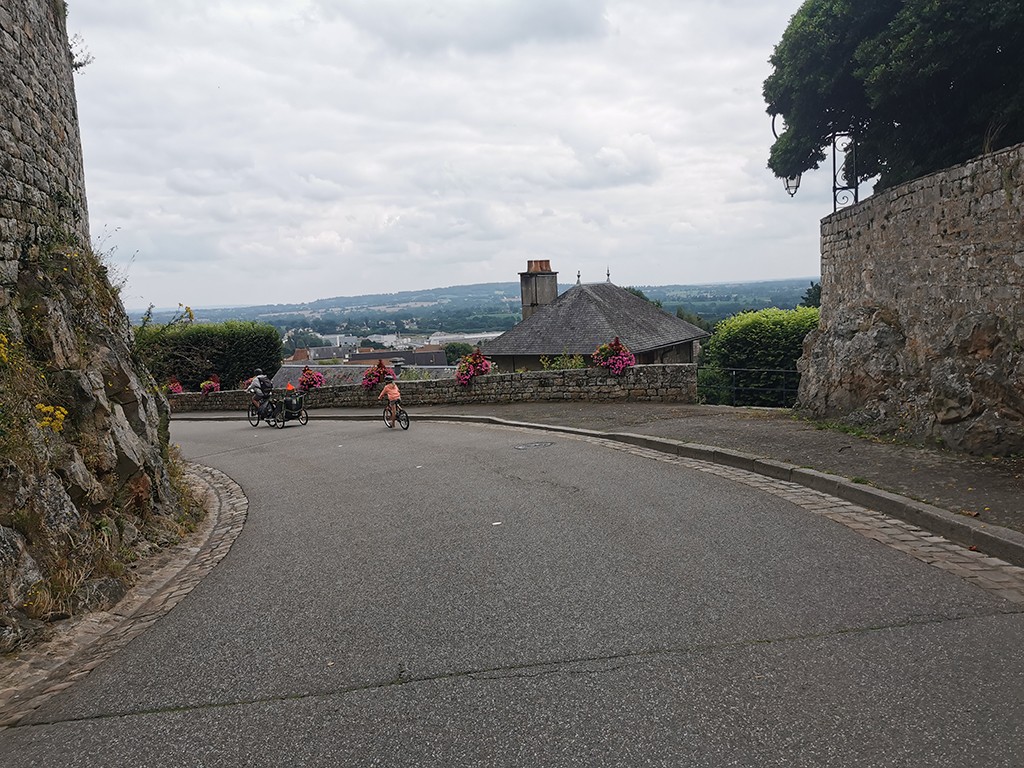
(608, 273)
(578, 273)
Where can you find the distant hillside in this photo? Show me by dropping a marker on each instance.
(484, 307)
(718, 301)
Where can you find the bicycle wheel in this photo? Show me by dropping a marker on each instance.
(303, 417)
(280, 419)
(387, 417)
(403, 419)
(253, 414)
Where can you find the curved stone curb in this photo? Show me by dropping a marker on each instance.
(995, 540)
(996, 576)
(31, 678)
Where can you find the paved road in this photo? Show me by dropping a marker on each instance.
(463, 595)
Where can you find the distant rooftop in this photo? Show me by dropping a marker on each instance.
(589, 315)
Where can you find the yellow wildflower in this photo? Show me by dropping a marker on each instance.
(52, 417)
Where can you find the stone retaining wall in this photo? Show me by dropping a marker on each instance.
(922, 316)
(84, 493)
(650, 383)
(42, 184)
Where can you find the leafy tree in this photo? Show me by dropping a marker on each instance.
(637, 292)
(456, 350)
(303, 338)
(812, 298)
(693, 318)
(371, 344)
(757, 353)
(921, 84)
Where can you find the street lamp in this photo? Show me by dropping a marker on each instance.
(845, 189)
(792, 183)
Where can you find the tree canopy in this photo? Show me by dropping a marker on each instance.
(456, 350)
(812, 298)
(920, 84)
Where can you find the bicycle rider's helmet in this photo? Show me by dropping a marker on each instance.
(389, 377)
(259, 371)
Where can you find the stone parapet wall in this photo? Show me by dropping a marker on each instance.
(644, 383)
(922, 315)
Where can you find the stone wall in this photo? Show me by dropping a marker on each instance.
(644, 383)
(42, 185)
(922, 311)
(83, 486)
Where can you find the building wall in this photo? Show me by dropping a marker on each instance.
(42, 185)
(649, 383)
(680, 353)
(922, 316)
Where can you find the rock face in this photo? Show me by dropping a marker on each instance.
(84, 488)
(922, 311)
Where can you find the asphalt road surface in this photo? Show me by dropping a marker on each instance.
(469, 595)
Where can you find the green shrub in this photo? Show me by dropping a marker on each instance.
(562, 361)
(414, 374)
(193, 352)
(456, 350)
(751, 357)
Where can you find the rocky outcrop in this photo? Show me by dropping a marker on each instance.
(84, 489)
(922, 321)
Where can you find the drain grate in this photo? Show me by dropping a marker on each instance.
(528, 446)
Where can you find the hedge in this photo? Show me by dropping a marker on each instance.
(192, 352)
(750, 349)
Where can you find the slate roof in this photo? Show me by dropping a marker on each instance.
(586, 316)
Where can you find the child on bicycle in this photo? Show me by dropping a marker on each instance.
(394, 396)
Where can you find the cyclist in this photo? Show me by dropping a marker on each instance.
(394, 396)
(261, 387)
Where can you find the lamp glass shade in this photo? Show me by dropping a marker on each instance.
(792, 184)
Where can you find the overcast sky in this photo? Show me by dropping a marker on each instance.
(271, 151)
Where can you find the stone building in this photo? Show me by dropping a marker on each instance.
(583, 318)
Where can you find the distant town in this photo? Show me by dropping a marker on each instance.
(467, 313)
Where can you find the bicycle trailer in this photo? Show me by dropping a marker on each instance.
(293, 408)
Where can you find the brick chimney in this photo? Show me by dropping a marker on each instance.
(539, 286)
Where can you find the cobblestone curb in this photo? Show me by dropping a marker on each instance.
(27, 681)
(80, 645)
(997, 576)
(995, 540)
(1005, 580)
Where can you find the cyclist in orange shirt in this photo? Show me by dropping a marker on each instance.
(394, 396)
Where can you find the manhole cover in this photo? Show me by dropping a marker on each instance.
(528, 446)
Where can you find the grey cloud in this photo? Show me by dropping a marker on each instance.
(475, 26)
(376, 146)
